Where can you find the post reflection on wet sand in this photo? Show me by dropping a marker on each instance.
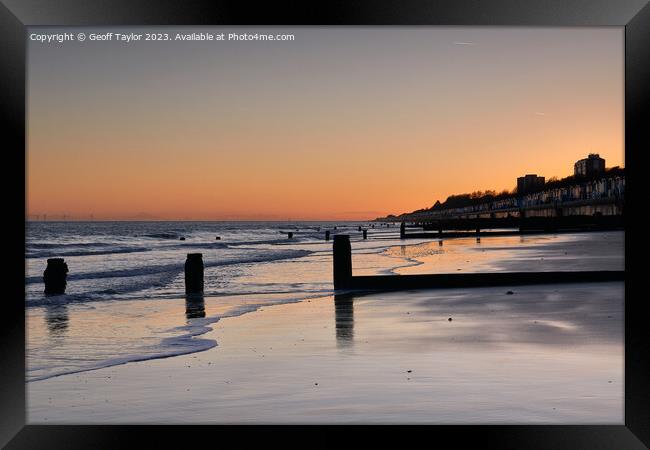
(57, 318)
(344, 319)
(194, 306)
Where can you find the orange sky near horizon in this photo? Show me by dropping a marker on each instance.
(344, 123)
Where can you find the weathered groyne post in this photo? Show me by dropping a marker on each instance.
(359, 227)
(290, 235)
(365, 234)
(402, 230)
(342, 261)
(55, 276)
(194, 273)
(327, 235)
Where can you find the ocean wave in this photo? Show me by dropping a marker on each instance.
(162, 268)
(44, 245)
(135, 279)
(186, 342)
(182, 345)
(162, 235)
(186, 244)
(74, 252)
(135, 293)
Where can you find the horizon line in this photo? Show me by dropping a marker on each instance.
(200, 220)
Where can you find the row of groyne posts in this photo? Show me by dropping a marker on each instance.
(363, 231)
(55, 275)
(441, 234)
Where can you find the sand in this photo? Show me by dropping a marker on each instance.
(543, 354)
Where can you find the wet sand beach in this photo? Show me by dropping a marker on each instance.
(542, 354)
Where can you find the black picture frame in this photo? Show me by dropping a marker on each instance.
(16, 15)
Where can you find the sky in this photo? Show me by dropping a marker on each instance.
(340, 123)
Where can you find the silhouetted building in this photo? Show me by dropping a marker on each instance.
(528, 183)
(591, 165)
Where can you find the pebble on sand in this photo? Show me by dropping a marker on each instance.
(449, 319)
(509, 293)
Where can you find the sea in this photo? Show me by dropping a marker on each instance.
(125, 299)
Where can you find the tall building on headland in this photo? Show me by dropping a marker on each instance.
(528, 183)
(590, 166)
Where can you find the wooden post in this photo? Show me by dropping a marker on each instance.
(55, 276)
(342, 261)
(290, 234)
(194, 273)
(402, 230)
(327, 235)
(359, 228)
(365, 234)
